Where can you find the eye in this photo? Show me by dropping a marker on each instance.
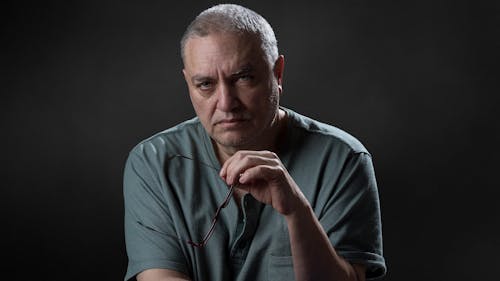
(204, 85)
(246, 77)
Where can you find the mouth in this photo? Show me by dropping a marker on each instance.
(230, 123)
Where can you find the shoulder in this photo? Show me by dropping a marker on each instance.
(323, 133)
(174, 140)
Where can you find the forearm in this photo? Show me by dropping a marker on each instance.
(314, 258)
(263, 175)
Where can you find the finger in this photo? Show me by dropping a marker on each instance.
(261, 173)
(238, 157)
(235, 157)
(223, 170)
(235, 168)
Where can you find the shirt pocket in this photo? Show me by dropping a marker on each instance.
(280, 268)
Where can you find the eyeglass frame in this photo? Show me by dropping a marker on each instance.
(215, 218)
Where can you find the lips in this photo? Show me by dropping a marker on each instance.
(231, 118)
(228, 121)
(231, 123)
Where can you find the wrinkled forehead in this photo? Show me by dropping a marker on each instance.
(222, 49)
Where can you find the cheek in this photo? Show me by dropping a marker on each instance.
(263, 98)
(199, 109)
(196, 104)
(202, 107)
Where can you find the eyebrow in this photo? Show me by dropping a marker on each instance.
(199, 78)
(245, 69)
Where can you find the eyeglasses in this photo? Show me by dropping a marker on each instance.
(224, 204)
(214, 221)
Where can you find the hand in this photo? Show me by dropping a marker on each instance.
(262, 174)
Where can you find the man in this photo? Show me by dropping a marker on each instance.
(302, 202)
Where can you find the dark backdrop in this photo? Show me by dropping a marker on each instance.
(83, 82)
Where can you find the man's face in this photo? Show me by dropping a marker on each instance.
(232, 87)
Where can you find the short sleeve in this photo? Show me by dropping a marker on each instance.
(150, 236)
(352, 217)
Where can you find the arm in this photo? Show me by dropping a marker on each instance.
(149, 241)
(264, 176)
(314, 257)
(161, 275)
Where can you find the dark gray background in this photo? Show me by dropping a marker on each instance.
(415, 81)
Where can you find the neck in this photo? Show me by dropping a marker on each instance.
(269, 140)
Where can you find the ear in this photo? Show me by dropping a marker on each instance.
(279, 66)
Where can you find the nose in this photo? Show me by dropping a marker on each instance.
(227, 98)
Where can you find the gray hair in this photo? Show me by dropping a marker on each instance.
(233, 19)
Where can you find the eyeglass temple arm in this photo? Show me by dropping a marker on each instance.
(214, 220)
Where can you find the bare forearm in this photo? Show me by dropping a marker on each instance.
(263, 175)
(314, 258)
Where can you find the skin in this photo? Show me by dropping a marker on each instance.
(235, 92)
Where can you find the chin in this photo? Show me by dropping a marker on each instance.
(232, 140)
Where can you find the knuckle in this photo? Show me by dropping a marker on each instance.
(273, 155)
(276, 162)
(280, 169)
(241, 155)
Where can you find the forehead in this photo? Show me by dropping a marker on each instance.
(224, 51)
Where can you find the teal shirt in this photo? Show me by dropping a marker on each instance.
(172, 189)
